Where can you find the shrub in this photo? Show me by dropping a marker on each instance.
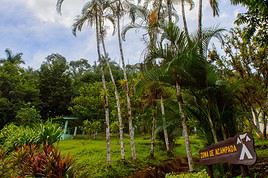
(200, 174)
(114, 127)
(49, 133)
(28, 116)
(6, 166)
(13, 136)
(91, 127)
(30, 160)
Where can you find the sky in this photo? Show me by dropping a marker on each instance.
(34, 28)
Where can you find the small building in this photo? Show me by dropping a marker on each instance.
(70, 126)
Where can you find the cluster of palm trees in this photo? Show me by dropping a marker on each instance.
(171, 53)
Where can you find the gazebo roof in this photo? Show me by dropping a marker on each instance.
(70, 118)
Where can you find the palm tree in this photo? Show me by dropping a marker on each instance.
(152, 85)
(91, 15)
(117, 97)
(182, 60)
(12, 58)
(215, 9)
(191, 3)
(118, 12)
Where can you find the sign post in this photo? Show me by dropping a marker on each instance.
(234, 150)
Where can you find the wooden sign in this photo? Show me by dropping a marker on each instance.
(234, 150)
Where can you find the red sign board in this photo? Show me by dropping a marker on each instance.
(234, 150)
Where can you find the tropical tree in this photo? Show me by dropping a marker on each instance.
(12, 58)
(215, 10)
(152, 86)
(91, 14)
(180, 56)
(55, 86)
(118, 12)
(117, 97)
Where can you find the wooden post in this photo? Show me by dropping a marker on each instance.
(75, 130)
(210, 171)
(244, 171)
(65, 129)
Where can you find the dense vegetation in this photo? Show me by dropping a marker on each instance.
(183, 86)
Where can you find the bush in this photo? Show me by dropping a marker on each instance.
(6, 167)
(91, 127)
(30, 160)
(13, 136)
(114, 127)
(49, 133)
(200, 174)
(28, 116)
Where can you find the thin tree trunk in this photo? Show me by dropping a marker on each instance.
(200, 24)
(169, 7)
(130, 124)
(255, 128)
(264, 125)
(255, 118)
(153, 134)
(117, 98)
(106, 102)
(212, 127)
(184, 126)
(164, 124)
(184, 18)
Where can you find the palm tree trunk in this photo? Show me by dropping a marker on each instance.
(184, 18)
(153, 134)
(130, 125)
(200, 24)
(164, 124)
(106, 102)
(212, 127)
(117, 98)
(184, 127)
(264, 119)
(169, 7)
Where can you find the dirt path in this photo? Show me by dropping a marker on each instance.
(177, 165)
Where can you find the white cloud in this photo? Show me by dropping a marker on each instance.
(45, 10)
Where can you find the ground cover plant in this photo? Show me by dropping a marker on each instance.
(90, 161)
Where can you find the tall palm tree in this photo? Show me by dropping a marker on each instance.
(215, 10)
(118, 12)
(117, 97)
(191, 3)
(182, 60)
(152, 85)
(91, 14)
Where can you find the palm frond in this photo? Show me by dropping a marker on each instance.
(127, 28)
(215, 7)
(79, 22)
(59, 5)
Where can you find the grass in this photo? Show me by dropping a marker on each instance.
(261, 145)
(90, 155)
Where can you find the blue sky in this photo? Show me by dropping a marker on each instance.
(34, 28)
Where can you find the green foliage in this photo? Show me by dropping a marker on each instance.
(28, 116)
(201, 174)
(91, 127)
(17, 87)
(49, 133)
(12, 136)
(55, 86)
(114, 127)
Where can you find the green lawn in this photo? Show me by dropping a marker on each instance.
(90, 155)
